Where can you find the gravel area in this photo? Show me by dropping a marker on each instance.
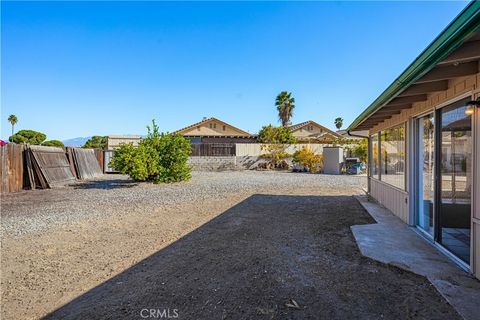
(237, 245)
(28, 211)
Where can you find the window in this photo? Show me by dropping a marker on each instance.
(198, 128)
(210, 125)
(374, 156)
(215, 126)
(223, 128)
(392, 156)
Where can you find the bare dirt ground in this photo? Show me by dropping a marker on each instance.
(232, 245)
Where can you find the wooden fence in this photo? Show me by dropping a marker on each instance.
(213, 149)
(31, 167)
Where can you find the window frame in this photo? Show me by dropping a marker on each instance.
(371, 155)
(378, 176)
(404, 125)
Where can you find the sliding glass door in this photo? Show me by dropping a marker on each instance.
(443, 177)
(425, 156)
(455, 179)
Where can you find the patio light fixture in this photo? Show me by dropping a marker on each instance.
(471, 106)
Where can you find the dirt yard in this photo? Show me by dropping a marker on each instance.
(232, 245)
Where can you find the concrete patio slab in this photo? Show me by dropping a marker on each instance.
(392, 241)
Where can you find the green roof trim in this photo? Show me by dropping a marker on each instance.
(464, 25)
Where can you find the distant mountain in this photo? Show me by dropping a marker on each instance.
(75, 142)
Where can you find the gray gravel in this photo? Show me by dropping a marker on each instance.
(37, 211)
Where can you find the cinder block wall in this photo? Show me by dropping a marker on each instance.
(221, 163)
(213, 163)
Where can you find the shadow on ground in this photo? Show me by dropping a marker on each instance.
(106, 184)
(253, 259)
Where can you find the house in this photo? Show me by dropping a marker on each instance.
(424, 142)
(114, 140)
(212, 130)
(310, 131)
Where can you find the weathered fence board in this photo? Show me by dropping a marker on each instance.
(71, 161)
(99, 154)
(213, 149)
(30, 172)
(52, 164)
(86, 163)
(11, 168)
(4, 169)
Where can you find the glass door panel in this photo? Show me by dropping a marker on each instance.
(455, 161)
(425, 157)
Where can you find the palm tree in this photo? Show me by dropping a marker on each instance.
(285, 104)
(338, 123)
(13, 121)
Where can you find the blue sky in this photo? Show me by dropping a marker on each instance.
(76, 69)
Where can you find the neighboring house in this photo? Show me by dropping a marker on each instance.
(212, 130)
(424, 142)
(310, 131)
(114, 141)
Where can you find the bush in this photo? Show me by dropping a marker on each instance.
(28, 136)
(96, 142)
(308, 159)
(275, 141)
(53, 143)
(158, 158)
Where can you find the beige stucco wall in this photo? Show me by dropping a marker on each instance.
(393, 199)
(218, 129)
(115, 141)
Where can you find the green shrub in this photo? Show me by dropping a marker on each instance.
(28, 136)
(158, 157)
(53, 143)
(174, 151)
(308, 159)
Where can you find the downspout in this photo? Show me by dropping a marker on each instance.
(368, 148)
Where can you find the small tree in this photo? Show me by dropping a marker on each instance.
(360, 150)
(13, 121)
(285, 104)
(159, 157)
(53, 143)
(275, 141)
(28, 136)
(338, 123)
(96, 142)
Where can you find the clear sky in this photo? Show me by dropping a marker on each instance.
(75, 69)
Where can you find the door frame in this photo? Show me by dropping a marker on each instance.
(416, 172)
(413, 184)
